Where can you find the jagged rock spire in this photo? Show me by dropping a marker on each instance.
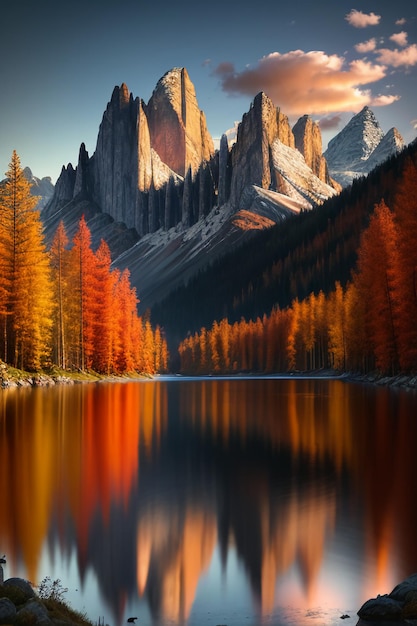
(177, 127)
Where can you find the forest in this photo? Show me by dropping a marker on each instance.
(66, 306)
(333, 287)
(307, 253)
(366, 324)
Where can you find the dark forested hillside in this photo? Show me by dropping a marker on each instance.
(305, 254)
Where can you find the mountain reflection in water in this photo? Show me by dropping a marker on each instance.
(301, 490)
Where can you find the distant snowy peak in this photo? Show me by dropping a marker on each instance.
(360, 146)
(41, 187)
(390, 144)
(355, 142)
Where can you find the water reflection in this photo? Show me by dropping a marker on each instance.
(147, 482)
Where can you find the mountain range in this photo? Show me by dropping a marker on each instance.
(169, 204)
(360, 146)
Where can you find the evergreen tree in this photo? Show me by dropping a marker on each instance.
(26, 301)
(59, 260)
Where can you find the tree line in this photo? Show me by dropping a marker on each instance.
(306, 253)
(66, 305)
(368, 323)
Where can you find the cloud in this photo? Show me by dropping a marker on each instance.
(401, 21)
(383, 101)
(299, 81)
(400, 38)
(223, 69)
(414, 124)
(362, 20)
(330, 122)
(366, 46)
(398, 58)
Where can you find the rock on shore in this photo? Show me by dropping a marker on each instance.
(398, 608)
(19, 604)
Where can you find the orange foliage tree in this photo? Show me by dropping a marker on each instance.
(375, 281)
(405, 265)
(26, 302)
(97, 325)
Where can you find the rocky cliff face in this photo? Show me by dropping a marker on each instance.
(251, 152)
(177, 127)
(154, 164)
(155, 187)
(269, 154)
(307, 137)
(115, 163)
(40, 187)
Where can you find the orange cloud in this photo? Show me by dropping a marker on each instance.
(400, 38)
(299, 81)
(383, 101)
(398, 58)
(366, 46)
(362, 20)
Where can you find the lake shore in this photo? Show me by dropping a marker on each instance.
(13, 378)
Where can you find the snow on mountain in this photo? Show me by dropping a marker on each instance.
(359, 147)
(165, 259)
(390, 144)
(298, 180)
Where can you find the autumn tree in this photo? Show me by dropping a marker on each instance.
(405, 279)
(104, 317)
(26, 301)
(82, 263)
(375, 281)
(62, 288)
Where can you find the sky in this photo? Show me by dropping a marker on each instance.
(61, 60)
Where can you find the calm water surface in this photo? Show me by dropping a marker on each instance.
(207, 501)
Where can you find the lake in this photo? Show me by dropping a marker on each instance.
(211, 501)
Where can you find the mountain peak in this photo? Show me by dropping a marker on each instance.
(177, 126)
(348, 152)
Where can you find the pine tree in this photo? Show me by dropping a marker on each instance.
(59, 260)
(405, 289)
(375, 281)
(26, 301)
(82, 262)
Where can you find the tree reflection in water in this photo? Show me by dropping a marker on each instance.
(307, 482)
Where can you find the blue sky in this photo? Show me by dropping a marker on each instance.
(61, 61)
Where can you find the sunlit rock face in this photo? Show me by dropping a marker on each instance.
(154, 173)
(251, 152)
(285, 134)
(256, 159)
(307, 137)
(178, 128)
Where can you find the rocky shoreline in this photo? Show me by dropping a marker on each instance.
(398, 608)
(20, 605)
(375, 378)
(11, 378)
